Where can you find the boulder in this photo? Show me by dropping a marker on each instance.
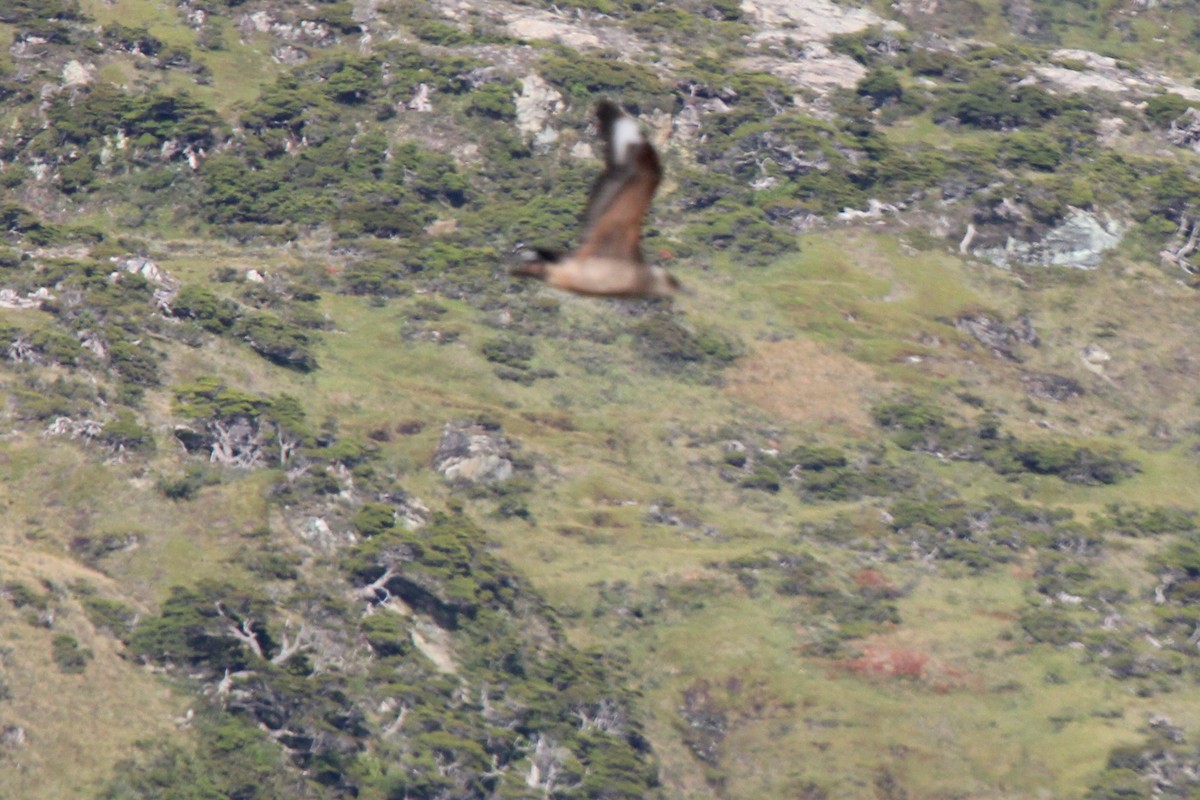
(473, 454)
(1080, 241)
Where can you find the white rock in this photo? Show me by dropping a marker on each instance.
(536, 104)
(76, 74)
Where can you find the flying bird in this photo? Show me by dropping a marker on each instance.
(609, 261)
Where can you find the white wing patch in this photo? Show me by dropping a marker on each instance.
(625, 134)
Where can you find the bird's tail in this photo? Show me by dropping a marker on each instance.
(534, 264)
(529, 269)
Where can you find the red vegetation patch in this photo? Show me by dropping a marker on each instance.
(873, 583)
(900, 663)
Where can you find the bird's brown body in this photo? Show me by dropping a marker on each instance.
(609, 259)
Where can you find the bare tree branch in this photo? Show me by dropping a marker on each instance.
(398, 723)
(376, 591)
(242, 632)
(289, 648)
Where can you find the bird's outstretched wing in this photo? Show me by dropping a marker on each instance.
(622, 193)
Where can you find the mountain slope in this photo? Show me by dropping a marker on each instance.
(306, 498)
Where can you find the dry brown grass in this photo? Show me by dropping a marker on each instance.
(77, 725)
(798, 380)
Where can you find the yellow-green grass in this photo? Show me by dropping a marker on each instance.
(987, 722)
(237, 72)
(68, 493)
(863, 293)
(77, 726)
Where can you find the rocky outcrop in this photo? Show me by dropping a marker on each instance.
(10, 298)
(999, 337)
(577, 29)
(473, 453)
(812, 20)
(1095, 358)
(1078, 71)
(537, 104)
(1185, 131)
(815, 68)
(1047, 386)
(1080, 241)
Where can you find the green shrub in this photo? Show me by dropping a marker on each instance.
(387, 633)
(1036, 150)
(494, 101)
(1163, 109)
(373, 519)
(881, 85)
(1070, 462)
(1139, 520)
(134, 361)
(126, 432)
(993, 102)
(201, 304)
(57, 346)
(509, 352)
(664, 341)
(70, 656)
(107, 614)
(352, 80)
(278, 341)
(810, 457)
(763, 478)
(187, 485)
(585, 76)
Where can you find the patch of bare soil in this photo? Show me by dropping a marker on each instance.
(800, 381)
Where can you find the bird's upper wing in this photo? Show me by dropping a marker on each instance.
(622, 193)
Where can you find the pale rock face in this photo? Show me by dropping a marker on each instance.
(421, 102)
(316, 532)
(76, 74)
(808, 20)
(1079, 241)
(290, 55)
(537, 103)
(1095, 358)
(820, 69)
(1106, 74)
(473, 454)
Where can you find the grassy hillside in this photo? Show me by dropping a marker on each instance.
(862, 514)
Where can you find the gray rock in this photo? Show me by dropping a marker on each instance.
(473, 454)
(12, 737)
(1047, 386)
(1080, 241)
(537, 103)
(994, 334)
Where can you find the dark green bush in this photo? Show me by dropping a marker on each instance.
(201, 304)
(134, 361)
(1163, 109)
(387, 633)
(1070, 462)
(881, 85)
(187, 485)
(994, 102)
(278, 341)
(763, 478)
(494, 101)
(70, 656)
(509, 352)
(1139, 520)
(373, 519)
(586, 76)
(664, 341)
(126, 432)
(107, 614)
